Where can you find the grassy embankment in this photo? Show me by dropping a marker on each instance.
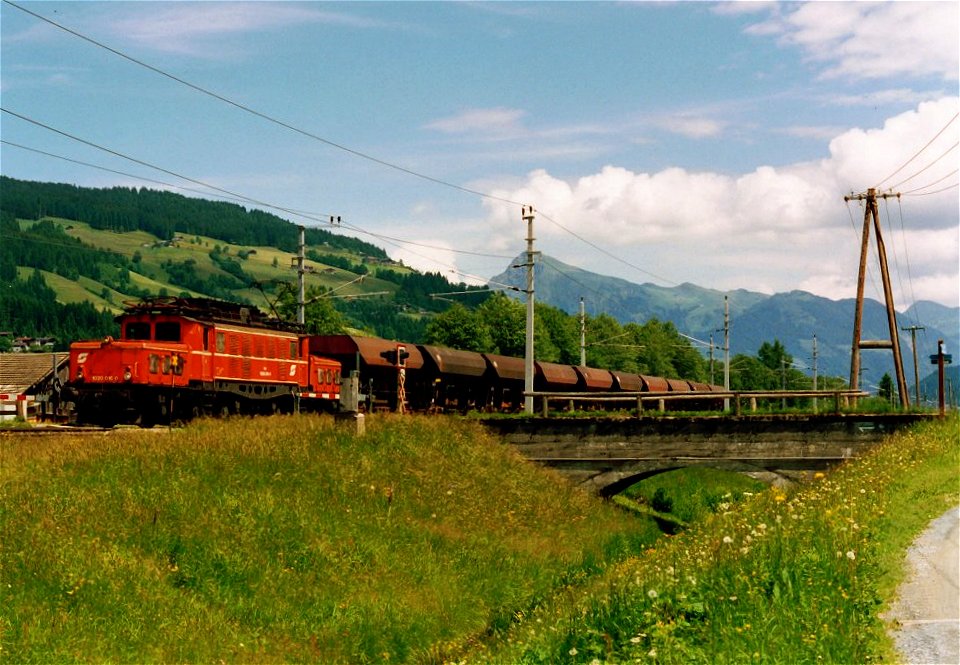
(285, 540)
(797, 576)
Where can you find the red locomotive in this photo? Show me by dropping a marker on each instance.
(179, 358)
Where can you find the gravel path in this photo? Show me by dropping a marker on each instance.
(927, 612)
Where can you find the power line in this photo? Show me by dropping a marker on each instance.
(931, 184)
(260, 114)
(937, 191)
(281, 123)
(149, 165)
(603, 251)
(123, 173)
(227, 194)
(904, 165)
(944, 154)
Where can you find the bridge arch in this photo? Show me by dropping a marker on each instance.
(610, 482)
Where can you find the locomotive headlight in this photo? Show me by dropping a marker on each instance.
(127, 374)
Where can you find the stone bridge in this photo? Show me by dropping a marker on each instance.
(607, 455)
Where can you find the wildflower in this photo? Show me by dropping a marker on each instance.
(595, 661)
(635, 639)
(573, 651)
(652, 653)
(727, 540)
(652, 593)
(851, 555)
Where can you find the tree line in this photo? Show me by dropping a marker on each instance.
(164, 214)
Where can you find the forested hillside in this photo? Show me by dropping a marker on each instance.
(99, 248)
(164, 214)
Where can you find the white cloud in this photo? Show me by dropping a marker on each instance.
(689, 126)
(194, 28)
(772, 228)
(496, 121)
(861, 40)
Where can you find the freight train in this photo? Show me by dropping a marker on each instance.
(422, 377)
(179, 358)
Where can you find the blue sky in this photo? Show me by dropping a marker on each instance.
(685, 142)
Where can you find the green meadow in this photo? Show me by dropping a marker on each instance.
(285, 539)
(788, 576)
(290, 539)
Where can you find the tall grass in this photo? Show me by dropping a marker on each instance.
(790, 577)
(285, 539)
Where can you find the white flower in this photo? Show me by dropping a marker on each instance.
(636, 639)
(573, 651)
(851, 555)
(727, 540)
(652, 593)
(652, 653)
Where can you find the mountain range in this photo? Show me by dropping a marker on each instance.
(793, 318)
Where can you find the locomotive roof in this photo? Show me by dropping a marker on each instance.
(208, 309)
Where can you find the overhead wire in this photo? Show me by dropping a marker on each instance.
(870, 276)
(123, 173)
(944, 154)
(311, 135)
(260, 114)
(906, 163)
(149, 165)
(931, 184)
(893, 245)
(604, 251)
(221, 193)
(937, 191)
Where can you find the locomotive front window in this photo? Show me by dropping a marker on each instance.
(168, 331)
(221, 342)
(293, 349)
(137, 330)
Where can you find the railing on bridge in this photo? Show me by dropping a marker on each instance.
(637, 400)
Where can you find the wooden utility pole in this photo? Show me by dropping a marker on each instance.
(871, 213)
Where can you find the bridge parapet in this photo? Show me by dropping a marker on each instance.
(607, 455)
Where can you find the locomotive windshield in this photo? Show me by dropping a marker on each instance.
(137, 330)
(168, 331)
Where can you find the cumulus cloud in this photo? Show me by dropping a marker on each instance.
(870, 40)
(771, 229)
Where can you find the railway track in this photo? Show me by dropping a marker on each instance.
(74, 430)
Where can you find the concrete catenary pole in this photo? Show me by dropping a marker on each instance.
(528, 216)
(815, 356)
(301, 291)
(916, 369)
(726, 350)
(583, 336)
